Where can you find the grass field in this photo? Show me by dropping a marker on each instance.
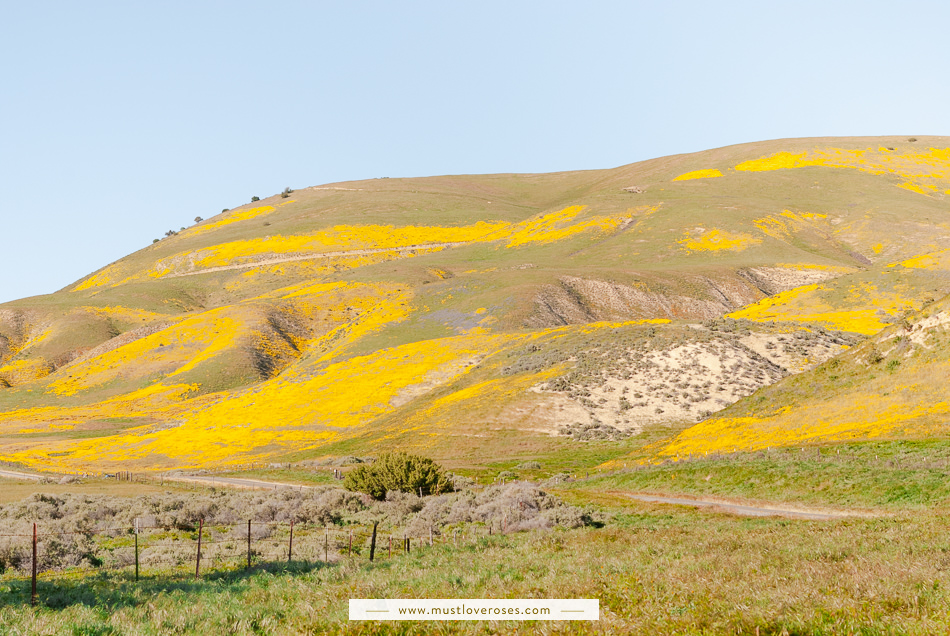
(655, 569)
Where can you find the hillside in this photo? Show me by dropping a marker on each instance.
(498, 316)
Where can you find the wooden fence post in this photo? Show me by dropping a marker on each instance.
(390, 546)
(372, 544)
(33, 584)
(290, 549)
(201, 525)
(248, 544)
(349, 550)
(326, 545)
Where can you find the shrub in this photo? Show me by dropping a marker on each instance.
(154, 240)
(398, 471)
(286, 193)
(253, 199)
(198, 219)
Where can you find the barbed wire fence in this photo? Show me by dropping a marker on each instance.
(213, 548)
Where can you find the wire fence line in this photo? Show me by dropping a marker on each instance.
(217, 547)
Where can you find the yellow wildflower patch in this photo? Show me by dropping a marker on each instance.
(861, 313)
(99, 279)
(173, 350)
(715, 239)
(782, 227)
(24, 371)
(922, 171)
(126, 314)
(699, 174)
(280, 415)
(864, 415)
(778, 161)
(923, 261)
(556, 226)
(232, 217)
(913, 187)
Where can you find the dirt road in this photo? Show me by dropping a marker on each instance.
(751, 511)
(318, 255)
(235, 482)
(12, 474)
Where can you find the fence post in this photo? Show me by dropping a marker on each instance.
(349, 550)
(136, 549)
(33, 584)
(290, 549)
(390, 546)
(372, 544)
(248, 544)
(407, 544)
(326, 545)
(430, 536)
(201, 525)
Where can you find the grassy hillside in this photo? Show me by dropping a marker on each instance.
(504, 317)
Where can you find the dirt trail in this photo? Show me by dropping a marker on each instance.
(317, 256)
(235, 482)
(12, 474)
(752, 511)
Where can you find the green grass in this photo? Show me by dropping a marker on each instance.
(286, 475)
(895, 475)
(654, 570)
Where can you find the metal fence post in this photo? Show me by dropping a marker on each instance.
(372, 544)
(248, 544)
(33, 585)
(136, 549)
(201, 525)
(290, 548)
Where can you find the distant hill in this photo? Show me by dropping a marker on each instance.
(504, 316)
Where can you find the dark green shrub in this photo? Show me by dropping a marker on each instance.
(398, 471)
(253, 199)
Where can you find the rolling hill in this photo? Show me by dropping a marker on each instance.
(489, 317)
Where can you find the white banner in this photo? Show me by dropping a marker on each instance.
(474, 609)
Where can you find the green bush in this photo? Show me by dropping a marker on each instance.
(398, 471)
(255, 199)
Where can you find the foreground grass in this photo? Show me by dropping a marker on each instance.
(654, 569)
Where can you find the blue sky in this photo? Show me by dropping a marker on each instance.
(121, 120)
